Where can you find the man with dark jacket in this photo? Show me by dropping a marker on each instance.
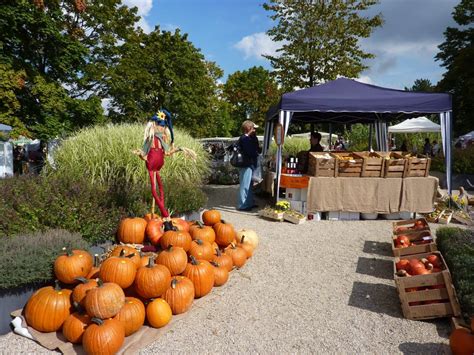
(250, 149)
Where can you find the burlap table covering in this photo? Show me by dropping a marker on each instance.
(371, 195)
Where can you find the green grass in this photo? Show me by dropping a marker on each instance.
(292, 146)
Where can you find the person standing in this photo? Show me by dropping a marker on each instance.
(315, 146)
(435, 149)
(427, 147)
(250, 149)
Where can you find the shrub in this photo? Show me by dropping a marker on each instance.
(463, 161)
(457, 247)
(29, 258)
(292, 146)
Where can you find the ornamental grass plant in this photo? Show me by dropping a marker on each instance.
(292, 146)
(33, 257)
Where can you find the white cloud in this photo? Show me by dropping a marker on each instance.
(365, 79)
(144, 8)
(257, 44)
(169, 27)
(145, 26)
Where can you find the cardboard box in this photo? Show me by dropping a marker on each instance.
(293, 194)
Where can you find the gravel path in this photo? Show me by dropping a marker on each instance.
(318, 287)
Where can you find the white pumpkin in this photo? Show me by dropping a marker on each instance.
(251, 237)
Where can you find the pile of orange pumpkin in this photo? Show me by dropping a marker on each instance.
(415, 266)
(103, 302)
(418, 225)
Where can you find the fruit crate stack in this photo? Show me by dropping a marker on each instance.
(417, 165)
(373, 164)
(421, 275)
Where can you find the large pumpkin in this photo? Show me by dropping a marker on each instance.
(461, 342)
(94, 273)
(238, 255)
(71, 265)
(221, 274)
(158, 313)
(74, 327)
(132, 230)
(104, 301)
(201, 273)
(211, 217)
(225, 233)
(175, 259)
(201, 250)
(118, 269)
(103, 337)
(251, 237)
(154, 231)
(48, 308)
(223, 260)
(132, 315)
(200, 231)
(79, 292)
(176, 239)
(130, 253)
(152, 280)
(180, 294)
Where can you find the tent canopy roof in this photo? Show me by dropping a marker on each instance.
(346, 101)
(414, 125)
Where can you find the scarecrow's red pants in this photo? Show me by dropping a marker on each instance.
(154, 162)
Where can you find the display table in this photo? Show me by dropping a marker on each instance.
(372, 195)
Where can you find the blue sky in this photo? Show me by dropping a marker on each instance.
(232, 33)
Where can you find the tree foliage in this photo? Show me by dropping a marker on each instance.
(421, 85)
(457, 55)
(319, 39)
(251, 92)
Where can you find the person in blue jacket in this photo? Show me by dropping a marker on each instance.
(250, 149)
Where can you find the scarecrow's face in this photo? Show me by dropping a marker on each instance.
(160, 129)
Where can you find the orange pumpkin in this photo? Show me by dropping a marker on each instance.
(211, 217)
(74, 327)
(132, 230)
(104, 301)
(201, 273)
(176, 239)
(71, 265)
(79, 292)
(180, 224)
(149, 217)
(118, 269)
(180, 294)
(145, 259)
(154, 231)
(44, 303)
(94, 273)
(461, 342)
(223, 260)
(158, 313)
(152, 280)
(221, 274)
(130, 252)
(247, 247)
(132, 315)
(103, 336)
(238, 255)
(402, 241)
(201, 250)
(175, 259)
(225, 233)
(200, 231)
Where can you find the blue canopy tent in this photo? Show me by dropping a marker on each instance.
(349, 101)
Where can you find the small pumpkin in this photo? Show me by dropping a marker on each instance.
(201, 273)
(152, 280)
(248, 248)
(223, 260)
(180, 224)
(149, 217)
(180, 294)
(118, 269)
(94, 273)
(221, 274)
(158, 313)
(105, 300)
(71, 265)
(200, 231)
(79, 292)
(211, 217)
(74, 327)
(176, 239)
(403, 264)
(434, 259)
(145, 259)
(132, 230)
(45, 302)
(154, 231)
(132, 315)
(103, 336)
(251, 237)
(238, 255)
(201, 250)
(175, 259)
(225, 233)
(461, 342)
(130, 252)
(402, 241)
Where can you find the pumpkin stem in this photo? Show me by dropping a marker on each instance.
(82, 279)
(193, 260)
(151, 262)
(57, 286)
(222, 221)
(199, 241)
(96, 260)
(100, 283)
(67, 252)
(215, 263)
(174, 282)
(77, 306)
(97, 321)
(242, 239)
(218, 252)
(169, 247)
(130, 255)
(200, 225)
(122, 253)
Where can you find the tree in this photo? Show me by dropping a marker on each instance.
(251, 93)
(164, 69)
(423, 85)
(319, 39)
(457, 55)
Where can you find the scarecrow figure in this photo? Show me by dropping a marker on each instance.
(158, 143)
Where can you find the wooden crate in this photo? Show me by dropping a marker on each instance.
(373, 164)
(348, 164)
(292, 219)
(394, 164)
(271, 214)
(420, 247)
(321, 165)
(409, 223)
(417, 166)
(435, 296)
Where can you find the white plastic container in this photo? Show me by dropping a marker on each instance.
(369, 216)
(293, 194)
